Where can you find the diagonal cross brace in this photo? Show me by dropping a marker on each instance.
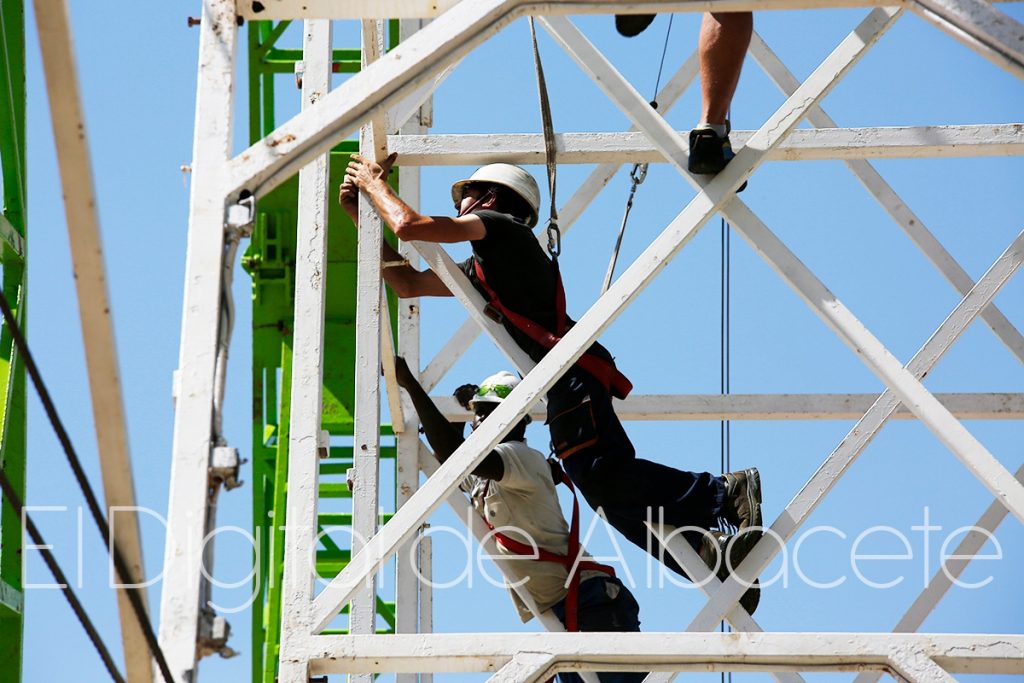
(891, 202)
(851, 331)
(708, 583)
(839, 461)
(943, 579)
(593, 323)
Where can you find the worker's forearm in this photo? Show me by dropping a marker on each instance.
(390, 207)
(443, 437)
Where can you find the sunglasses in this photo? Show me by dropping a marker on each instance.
(502, 390)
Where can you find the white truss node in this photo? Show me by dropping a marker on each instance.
(392, 92)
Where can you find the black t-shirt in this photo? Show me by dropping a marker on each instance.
(520, 273)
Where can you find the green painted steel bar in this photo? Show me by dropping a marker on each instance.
(13, 254)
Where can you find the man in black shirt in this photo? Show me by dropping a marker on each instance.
(497, 207)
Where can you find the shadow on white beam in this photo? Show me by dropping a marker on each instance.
(633, 147)
(254, 10)
(462, 652)
(657, 407)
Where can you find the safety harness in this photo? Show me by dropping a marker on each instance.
(569, 560)
(603, 370)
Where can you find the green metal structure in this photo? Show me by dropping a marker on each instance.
(270, 261)
(12, 373)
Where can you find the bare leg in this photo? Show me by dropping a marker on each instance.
(724, 38)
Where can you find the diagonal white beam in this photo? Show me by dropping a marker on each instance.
(833, 313)
(525, 667)
(906, 387)
(916, 667)
(598, 318)
(61, 70)
(467, 333)
(839, 461)
(910, 222)
(465, 512)
(943, 579)
(981, 27)
(307, 366)
(459, 285)
(708, 583)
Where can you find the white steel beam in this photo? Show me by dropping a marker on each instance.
(475, 524)
(369, 328)
(717, 407)
(457, 652)
(525, 667)
(907, 220)
(909, 390)
(602, 313)
(951, 570)
(410, 592)
(307, 367)
(840, 460)
(633, 147)
(193, 419)
(414, 9)
(981, 27)
(467, 333)
(72, 145)
(708, 583)
(914, 667)
(454, 34)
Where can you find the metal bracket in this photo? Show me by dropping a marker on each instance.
(324, 445)
(240, 217)
(214, 632)
(224, 464)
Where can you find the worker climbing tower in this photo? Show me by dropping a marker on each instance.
(324, 326)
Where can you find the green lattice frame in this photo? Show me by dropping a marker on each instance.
(12, 375)
(270, 261)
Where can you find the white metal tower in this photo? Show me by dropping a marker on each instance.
(382, 98)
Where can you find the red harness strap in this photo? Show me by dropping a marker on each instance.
(568, 560)
(617, 384)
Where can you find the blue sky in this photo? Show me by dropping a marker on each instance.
(137, 75)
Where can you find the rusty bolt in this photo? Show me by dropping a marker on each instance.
(194, 21)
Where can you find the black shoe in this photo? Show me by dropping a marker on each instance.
(630, 25)
(716, 546)
(741, 505)
(709, 153)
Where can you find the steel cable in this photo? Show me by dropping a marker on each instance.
(90, 497)
(62, 580)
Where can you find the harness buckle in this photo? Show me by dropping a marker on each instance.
(494, 314)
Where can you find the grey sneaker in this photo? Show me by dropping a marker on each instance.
(716, 546)
(741, 505)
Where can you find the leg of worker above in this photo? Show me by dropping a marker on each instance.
(724, 38)
(600, 459)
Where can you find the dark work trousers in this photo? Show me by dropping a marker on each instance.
(626, 489)
(604, 605)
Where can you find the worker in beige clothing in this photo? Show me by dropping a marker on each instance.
(513, 489)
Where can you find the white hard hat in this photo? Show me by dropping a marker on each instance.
(495, 388)
(507, 175)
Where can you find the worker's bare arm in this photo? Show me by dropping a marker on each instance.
(407, 223)
(443, 436)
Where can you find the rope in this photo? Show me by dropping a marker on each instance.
(554, 234)
(725, 372)
(638, 174)
(59, 576)
(90, 497)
